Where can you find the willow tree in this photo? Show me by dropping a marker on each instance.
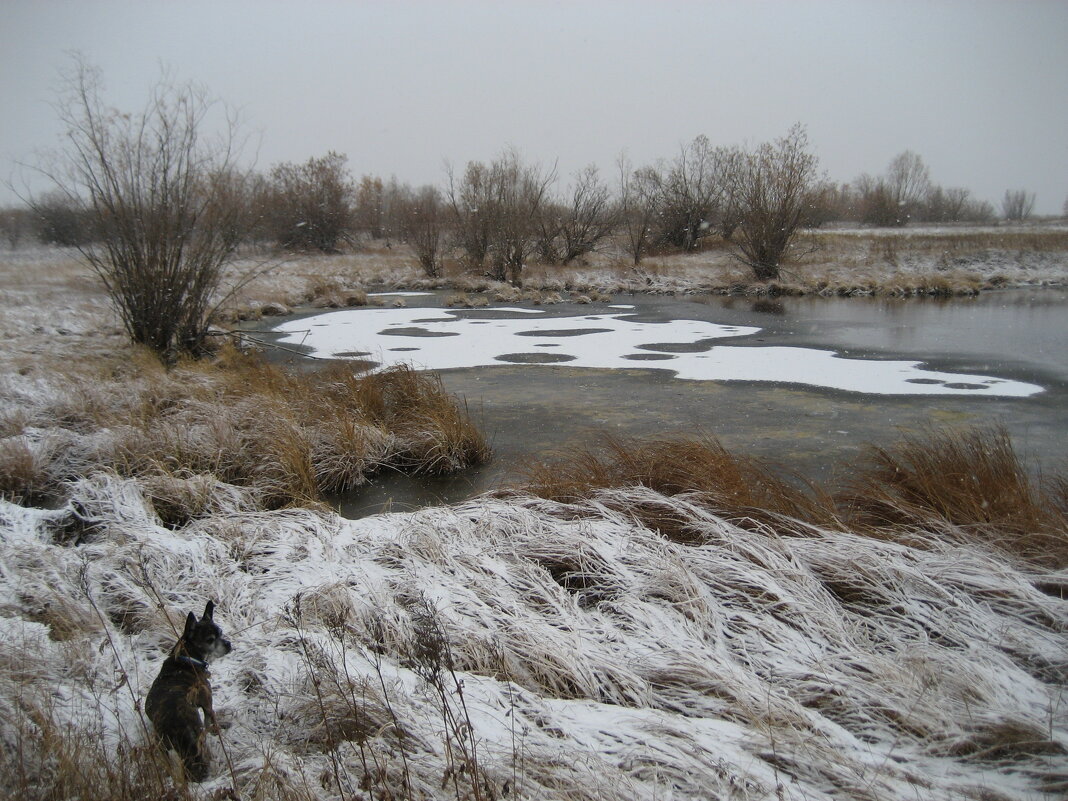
(158, 196)
(773, 188)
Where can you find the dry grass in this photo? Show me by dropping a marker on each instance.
(972, 480)
(287, 438)
(52, 762)
(739, 488)
(969, 483)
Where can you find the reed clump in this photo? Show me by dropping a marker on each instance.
(238, 421)
(970, 484)
(972, 480)
(738, 487)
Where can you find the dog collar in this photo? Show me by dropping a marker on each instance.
(200, 663)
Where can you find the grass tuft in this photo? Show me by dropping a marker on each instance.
(237, 421)
(736, 487)
(969, 484)
(971, 479)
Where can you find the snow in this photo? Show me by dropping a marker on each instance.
(751, 666)
(441, 340)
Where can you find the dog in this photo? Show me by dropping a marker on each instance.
(182, 690)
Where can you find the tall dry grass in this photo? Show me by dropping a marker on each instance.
(972, 480)
(969, 483)
(282, 437)
(738, 487)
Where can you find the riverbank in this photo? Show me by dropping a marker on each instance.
(851, 262)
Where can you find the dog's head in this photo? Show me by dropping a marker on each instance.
(203, 639)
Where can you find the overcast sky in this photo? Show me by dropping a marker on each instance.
(978, 89)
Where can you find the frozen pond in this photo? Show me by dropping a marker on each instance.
(805, 383)
(691, 349)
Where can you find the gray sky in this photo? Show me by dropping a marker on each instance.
(978, 89)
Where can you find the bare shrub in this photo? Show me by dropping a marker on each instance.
(773, 188)
(311, 204)
(16, 225)
(897, 196)
(471, 203)
(945, 205)
(154, 190)
(421, 219)
(62, 219)
(1017, 204)
(568, 231)
(370, 209)
(637, 207)
(691, 193)
(908, 182)
(495, 212)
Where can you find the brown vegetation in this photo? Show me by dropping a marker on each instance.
(968, 484)
(737, 487)
(284, 437)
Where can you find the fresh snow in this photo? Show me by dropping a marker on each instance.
(753, 666)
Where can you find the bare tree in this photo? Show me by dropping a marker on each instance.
(874, 202)
(899, 195)
(521, 191)
(774, 188)
(495, 210)
(421, 218)
(569, 231)
(638, 203)
(62, 219)
(472, 207)
(1017, 205)
(153, 187)
(370, 206)
(944, 205)
(692, 194)
(908, 181)
(312, 203)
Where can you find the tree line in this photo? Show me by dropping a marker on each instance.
(157, 207)
(499, 214)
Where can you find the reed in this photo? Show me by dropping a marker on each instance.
(288, 437)
(970, 483)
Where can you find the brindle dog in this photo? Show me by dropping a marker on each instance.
(182, 689)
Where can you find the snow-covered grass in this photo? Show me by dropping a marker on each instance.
(528, 648)
(709, 631)
(280, 438)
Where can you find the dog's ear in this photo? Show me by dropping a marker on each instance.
(209, 610)
(190, 625)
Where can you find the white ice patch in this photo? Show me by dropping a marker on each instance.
(442, 340)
